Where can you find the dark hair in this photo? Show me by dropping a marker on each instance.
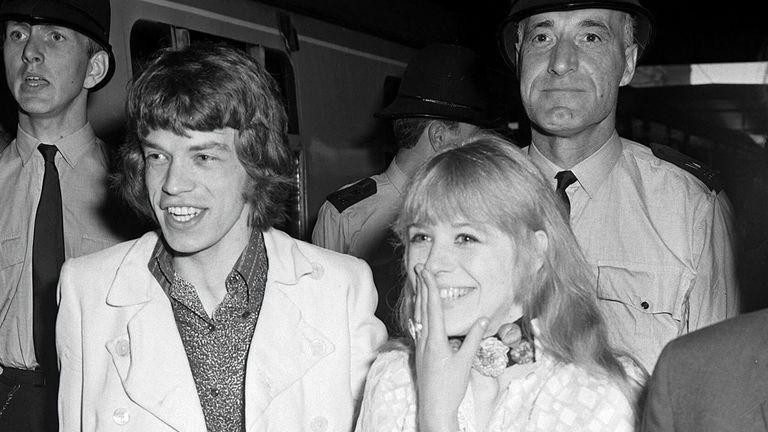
(206, 87)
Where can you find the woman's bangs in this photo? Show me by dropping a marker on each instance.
(444, 197)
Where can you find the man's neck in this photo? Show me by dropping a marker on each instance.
(409, 160)
(49, 129)
(208, 270)
(567, 152)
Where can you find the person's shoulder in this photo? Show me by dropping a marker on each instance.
(111, 256)
(313, 251)
(352, 194)
(330, 260)
(392, 365)
(675, 166)
(729, 337)
(589, 395)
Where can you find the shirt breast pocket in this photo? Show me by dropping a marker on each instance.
(644, 305)
(644, 288)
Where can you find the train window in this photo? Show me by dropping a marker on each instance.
(146, 38)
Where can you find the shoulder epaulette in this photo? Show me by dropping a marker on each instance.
(342, 199)
(709, 176)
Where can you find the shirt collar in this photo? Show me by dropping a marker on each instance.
(396, 176)
(591, 172)
(72, 147)
(251, 264)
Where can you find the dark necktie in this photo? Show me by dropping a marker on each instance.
(47, 258)
(564, 179)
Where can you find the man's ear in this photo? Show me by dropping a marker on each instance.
(436, 131)
(630, 61)
(98, 66)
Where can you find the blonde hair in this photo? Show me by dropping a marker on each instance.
(490, 180)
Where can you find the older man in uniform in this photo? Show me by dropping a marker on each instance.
(653, 224)
(440, 102)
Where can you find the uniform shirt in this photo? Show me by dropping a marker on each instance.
(217, 346)
(360, 229)
(83, 169)
(363, 230)
(659, 242)
(544, 396)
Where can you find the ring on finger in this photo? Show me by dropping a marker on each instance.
(414, 328)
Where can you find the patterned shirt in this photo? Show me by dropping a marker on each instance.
(545, 396)
(217, 347)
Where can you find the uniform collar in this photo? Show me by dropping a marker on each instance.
(396, 176)
(591, 172)
(72, 147)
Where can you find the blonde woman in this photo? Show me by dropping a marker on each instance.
(487, 243)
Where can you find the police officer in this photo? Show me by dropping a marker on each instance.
(54, 188)
(442, 99)
(658, 236)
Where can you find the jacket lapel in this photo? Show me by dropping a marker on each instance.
(150, 358)
(284, 345)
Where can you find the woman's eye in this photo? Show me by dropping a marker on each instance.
(205, 158)
(465, 238)
(58, 37)
(418, 238)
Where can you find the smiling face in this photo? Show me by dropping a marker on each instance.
(48, 69)
(571, 67)
(195, 185)
(478, 269)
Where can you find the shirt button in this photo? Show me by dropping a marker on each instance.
(246, 314)
(214, 392)
(123, 348)
(319, 424)
(645, 305)
(317, 271)
(317, 348)
(211, 327)
(121, 416)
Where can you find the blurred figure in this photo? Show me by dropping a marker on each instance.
(659, 238)
(712, 380)
(487, 243)
(218, 322)
(54, 187)
(442, 99)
